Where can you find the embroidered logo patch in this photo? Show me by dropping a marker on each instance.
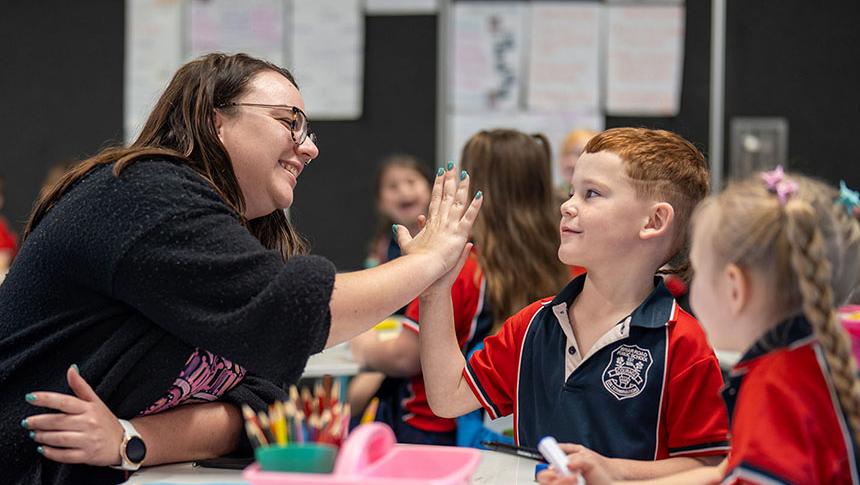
(627, 372)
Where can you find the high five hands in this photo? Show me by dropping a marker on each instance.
(450, 217)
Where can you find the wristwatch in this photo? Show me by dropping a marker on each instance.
(132, 450)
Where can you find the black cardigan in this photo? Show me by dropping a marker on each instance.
(126, 276)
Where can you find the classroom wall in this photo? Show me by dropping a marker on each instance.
(62, 76)
(61, 84)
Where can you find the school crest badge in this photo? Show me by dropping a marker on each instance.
(627, 372)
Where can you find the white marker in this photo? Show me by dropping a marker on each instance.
(550, 450)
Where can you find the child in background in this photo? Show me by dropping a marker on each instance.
(402, 191)
(773, 256)
(8, 240)
(850, 313)
(611, 363)
(571, 148)
(512, 263)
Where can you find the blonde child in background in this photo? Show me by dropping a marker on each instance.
(611, 363)
(513, 262)
(571, 148)
(774, 255)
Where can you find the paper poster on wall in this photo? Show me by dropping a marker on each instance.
(645, 56)
(255, 27)
(555, 125)
(487, 44)
(401, 7)
(564, 57)
(327, 57)
(153, 52)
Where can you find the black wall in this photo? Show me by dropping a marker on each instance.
(61, 80)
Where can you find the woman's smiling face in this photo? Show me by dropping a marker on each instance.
(265, 159)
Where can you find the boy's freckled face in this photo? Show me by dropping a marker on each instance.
(600, 222)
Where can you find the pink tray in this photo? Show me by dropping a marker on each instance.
(370, 456)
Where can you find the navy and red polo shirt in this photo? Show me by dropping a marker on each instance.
(649, 388)
(473, 320)
(787, 423)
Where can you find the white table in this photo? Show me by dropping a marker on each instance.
(336, 361)
(495, 468)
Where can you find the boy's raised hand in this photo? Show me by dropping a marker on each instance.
(449, 221)
(84, 430)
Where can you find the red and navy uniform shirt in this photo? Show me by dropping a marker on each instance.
(472, 322)
(787, 423)
(648, 389)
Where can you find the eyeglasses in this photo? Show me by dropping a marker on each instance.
(296, 121)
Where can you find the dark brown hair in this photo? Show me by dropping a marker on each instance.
(517, 232)
(181, 127)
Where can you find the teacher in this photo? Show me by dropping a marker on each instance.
(166, 273)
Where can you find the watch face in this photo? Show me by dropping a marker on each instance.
(135, 450)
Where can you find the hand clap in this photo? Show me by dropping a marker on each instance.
(449, 220)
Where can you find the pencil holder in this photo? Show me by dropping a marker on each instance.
(297, 457)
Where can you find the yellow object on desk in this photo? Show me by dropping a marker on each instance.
(388, 329)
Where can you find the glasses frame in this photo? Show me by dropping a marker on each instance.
(309, 133)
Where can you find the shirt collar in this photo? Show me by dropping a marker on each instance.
(791, 333)
(658, 310)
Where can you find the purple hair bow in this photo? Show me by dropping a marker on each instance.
(779, 184)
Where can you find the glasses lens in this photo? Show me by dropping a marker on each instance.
(301, 127)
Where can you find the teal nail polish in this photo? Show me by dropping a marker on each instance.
(30, 397)
(440, 172)
(479, 195)
(40, 450)
(463, 175)
(394, 229)
(24, 424)
(32, 435)
(75, 366)
(450, 165)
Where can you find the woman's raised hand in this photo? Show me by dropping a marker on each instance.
(449, 221)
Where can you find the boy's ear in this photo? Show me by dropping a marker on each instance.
(738, 288)
(659, 221)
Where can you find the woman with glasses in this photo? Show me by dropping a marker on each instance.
(165, 274)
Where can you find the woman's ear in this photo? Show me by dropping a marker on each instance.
(219, 125)
(659, 221)
(737, 287)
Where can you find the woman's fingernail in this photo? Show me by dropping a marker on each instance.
(75, 366)
(479, 195)
(30, 397)
(463, 175)
(24, 424)
(440, 172)
(40, 450)
(394, 228)
(32, 435)
(450, 165)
